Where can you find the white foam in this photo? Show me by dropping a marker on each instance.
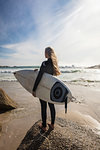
(91, 123)
(95, 124)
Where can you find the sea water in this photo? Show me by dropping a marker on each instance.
(68, 74)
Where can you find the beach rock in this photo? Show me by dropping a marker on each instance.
(6, 103)
(66, 135)
(0, 127)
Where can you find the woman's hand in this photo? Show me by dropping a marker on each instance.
(35, 69)
(34, 93)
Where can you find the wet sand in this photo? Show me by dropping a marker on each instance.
(85, 110)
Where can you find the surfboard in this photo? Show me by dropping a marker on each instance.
(50, 88)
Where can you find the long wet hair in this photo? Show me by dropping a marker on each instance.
(53, 57)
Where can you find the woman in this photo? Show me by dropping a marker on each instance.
(50, 66)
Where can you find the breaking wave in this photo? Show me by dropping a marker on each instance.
(70, 71)
(6, 71)
(84, 80)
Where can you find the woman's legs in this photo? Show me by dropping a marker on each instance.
(43, 112)
(53, 113)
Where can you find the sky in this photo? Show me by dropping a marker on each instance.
(70, 27)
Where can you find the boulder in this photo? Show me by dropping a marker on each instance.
(66, 135)
(0, 127)
(6, 103)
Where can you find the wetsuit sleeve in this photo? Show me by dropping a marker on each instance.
(39, 76)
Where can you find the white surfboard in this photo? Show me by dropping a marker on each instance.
(50, 88)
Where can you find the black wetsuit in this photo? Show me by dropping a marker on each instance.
(46, 67)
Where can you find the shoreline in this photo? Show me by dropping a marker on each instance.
(15, 123)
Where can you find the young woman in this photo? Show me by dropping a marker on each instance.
(50, 66)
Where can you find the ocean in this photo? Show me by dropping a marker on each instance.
(77, 75)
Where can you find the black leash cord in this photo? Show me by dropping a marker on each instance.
(65, 105)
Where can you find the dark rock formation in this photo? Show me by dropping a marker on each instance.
(94, 67)
(0, 127)
(67, 135)
(6, 103)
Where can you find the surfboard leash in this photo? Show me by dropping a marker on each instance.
(66, 105)
(44, 136)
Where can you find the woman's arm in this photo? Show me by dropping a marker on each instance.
(38, 79)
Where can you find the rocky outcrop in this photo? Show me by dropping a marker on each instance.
(6, 103)
(94, 67)
(66, 135)
(0, 127)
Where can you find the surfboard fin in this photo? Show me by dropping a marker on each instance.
(65, 105)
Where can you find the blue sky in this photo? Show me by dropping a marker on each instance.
(71, 27)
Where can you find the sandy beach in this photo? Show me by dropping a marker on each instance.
(84, 110)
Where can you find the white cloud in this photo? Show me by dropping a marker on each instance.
(79, 40)
(26, 53)
(73, 31)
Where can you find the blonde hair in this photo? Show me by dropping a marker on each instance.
(53, 57)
